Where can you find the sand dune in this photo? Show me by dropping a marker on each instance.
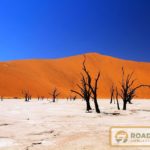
(41, 76)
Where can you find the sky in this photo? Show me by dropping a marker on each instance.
(61, 28)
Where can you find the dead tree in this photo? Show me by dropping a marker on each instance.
(1, 98)
(117, 94)
(54, 94)
(27, 95)
(94, 92)
(88, 90)
(128, 90)
(112, 94)
(42, 98)
(74, 98)
(94, 87)
(85, 92)
(38, 98)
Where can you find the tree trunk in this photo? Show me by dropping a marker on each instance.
(96, 106)
(118, 105)
(88, 107)
(53, 100)
(26, 98)
(124, 105)
(111, 99)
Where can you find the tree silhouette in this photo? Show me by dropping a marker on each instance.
(94, 87)
(85, 92)
(2, 98)
(117, 94)
(74, 98)
(128, 90)
(114, 96)
(88, 90)
(54, 94)
(27, 95)
(42, 98)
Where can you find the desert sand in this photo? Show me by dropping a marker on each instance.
(41, 76)
(64, 125)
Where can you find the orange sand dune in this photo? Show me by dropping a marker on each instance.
(41, 76)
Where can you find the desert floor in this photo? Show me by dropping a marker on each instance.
(64, 125)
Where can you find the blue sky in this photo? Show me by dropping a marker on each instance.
(61, 28)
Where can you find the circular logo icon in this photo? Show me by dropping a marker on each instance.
(121, 136)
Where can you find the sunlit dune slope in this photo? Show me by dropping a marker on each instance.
(41, 76)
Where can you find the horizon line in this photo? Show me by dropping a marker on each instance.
(79, 54)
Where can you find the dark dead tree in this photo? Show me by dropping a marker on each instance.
(94, 87)
(42, 98)
(85, 92)
(2, 98)
(74, 98)
(88, 90)
(128, 90)
(112, 94)
(38, 98)
(117, 95)
(94, 93)
(54, 94)
(26, 95)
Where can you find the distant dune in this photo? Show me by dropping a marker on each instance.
(41, 76)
